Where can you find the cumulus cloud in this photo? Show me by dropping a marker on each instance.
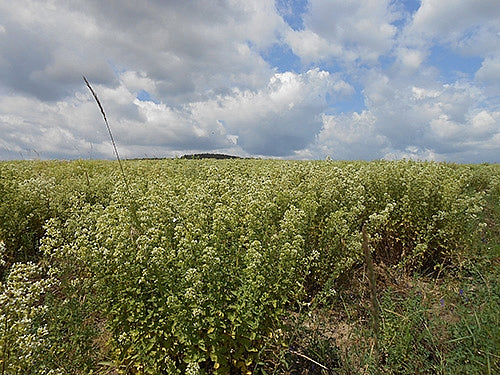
(350, 137)
(410, 59)
(360, 29)
(280, 118)
(490, 70)
(468, 27)
(276, 120)
(185, 47)
(179, 77)
(448, 20)
(439, 122)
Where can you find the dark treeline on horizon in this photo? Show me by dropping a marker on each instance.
(209, 156)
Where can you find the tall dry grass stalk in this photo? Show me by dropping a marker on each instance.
(109, 130)
(136, 227)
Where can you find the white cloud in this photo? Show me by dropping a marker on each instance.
(420, 93)
(413, 153)
(350, 137)
(490, 70)
(450, 19)
(276, 120)
(206, 66)
(444, 128)
(32, 128)
(137, 81)
(279, 119)
(410, 59)
(428, 121)
(360, 29)
(485, 124)
(186, 48)
(469, 27)
(312, 47)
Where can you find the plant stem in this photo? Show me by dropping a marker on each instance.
(373, 293)
(133, 206)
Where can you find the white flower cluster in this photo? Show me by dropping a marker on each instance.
(2, 254)
(193, 368)
(21, 303)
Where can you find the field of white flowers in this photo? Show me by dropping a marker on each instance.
(199, 266)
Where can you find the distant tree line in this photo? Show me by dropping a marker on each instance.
(209, 156)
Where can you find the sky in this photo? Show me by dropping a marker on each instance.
(290, 79)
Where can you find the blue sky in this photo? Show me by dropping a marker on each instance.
(292, 79)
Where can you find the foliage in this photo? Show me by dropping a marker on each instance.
(23, 335)
(224, 252)
(33, 192)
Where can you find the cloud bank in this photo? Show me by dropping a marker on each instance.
(364, 79)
